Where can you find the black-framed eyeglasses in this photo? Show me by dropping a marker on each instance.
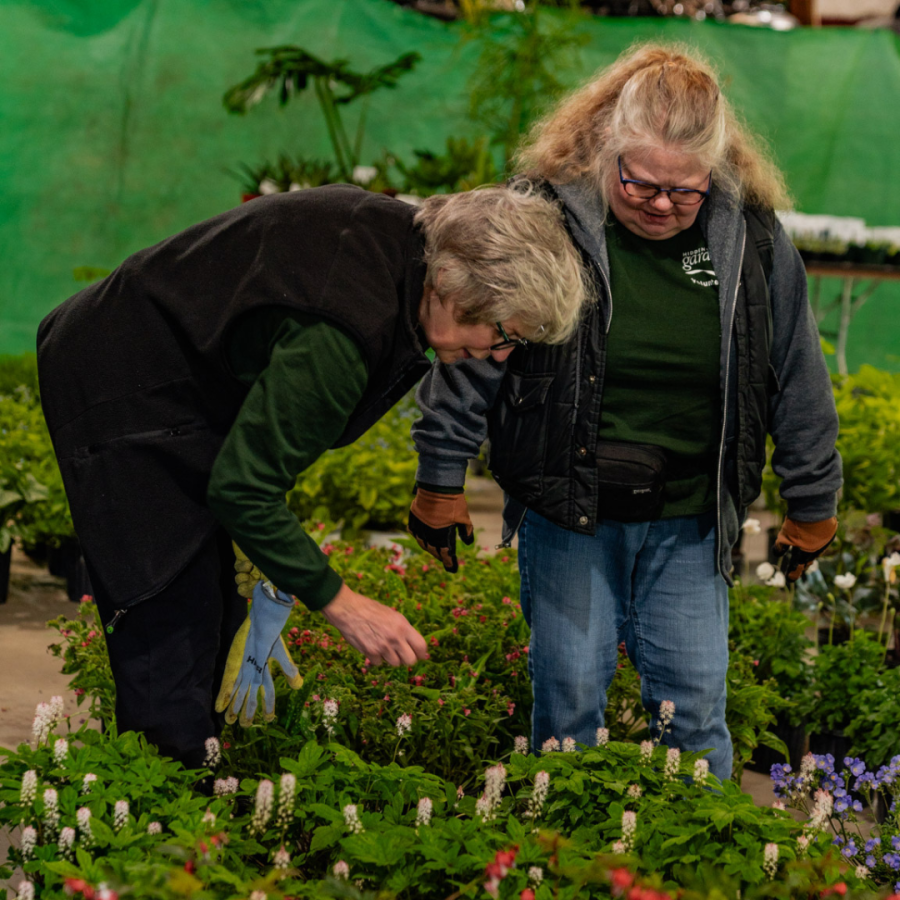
(643, 190)
(507, 341)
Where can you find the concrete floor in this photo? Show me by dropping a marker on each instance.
(30, 674)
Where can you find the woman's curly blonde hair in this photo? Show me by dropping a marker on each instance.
(654, 96)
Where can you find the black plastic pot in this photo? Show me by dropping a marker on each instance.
(5, 560)
(794, 737)
(833, 742)
(840, 634)
(61, 559)
(78, 582)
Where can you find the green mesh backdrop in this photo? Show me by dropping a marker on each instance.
(113, 135)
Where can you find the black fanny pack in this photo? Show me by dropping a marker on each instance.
(632, 478)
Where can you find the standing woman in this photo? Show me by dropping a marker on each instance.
(185, 392)
(630, 454)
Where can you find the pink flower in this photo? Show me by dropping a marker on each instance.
(466, 711)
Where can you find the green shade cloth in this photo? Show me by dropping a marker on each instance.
(113, 134)
(661, 384)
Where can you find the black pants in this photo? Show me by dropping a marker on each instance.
(168, 653)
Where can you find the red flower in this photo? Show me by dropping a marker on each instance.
(840, 889)
(527, 894)
(86, 598)
(620, 880)
(434, 641)
(506, 601)
(466, 711)
(190, 867)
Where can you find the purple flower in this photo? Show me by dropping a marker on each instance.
(842, 804)
(850, 849)
(856, 766)
(892, 860)
(857, 806)
(870, 862)
(895, 842)
(838, 840)
(871, 844)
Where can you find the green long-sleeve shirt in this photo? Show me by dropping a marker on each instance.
(306, 378)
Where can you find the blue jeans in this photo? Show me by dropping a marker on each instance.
(653, 585)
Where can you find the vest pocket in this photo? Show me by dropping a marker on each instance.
(517, 428)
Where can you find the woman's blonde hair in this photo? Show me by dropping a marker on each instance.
(501, 253)
(654, 96)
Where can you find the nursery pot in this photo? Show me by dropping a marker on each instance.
(61, 559)
(794, 737)
(839, 635)
(833, 742)
(5, 560)
(78, 582)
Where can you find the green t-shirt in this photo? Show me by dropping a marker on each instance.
(306, 377)
(662, 367)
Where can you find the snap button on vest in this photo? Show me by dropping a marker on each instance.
(582, 451)
(582, 520)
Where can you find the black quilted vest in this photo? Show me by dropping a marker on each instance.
(544, 424)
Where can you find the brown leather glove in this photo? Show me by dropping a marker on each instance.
(799, 544)
(434, 520)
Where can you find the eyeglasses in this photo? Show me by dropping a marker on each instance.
(643, 190)
(507, 341)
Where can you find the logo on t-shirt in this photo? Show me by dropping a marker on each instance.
(697, 267)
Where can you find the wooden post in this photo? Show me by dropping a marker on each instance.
(807, 11)
(844, 327)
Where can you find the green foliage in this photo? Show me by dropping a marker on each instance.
(875, 726)
(290, 70)
(465, 165)
(368, 484)
(18, 371)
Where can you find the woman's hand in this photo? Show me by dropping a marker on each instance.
(380, 633)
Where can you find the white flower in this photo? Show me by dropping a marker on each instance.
(29, 788)
(673, 761)
(751, 526)
(619, 847)
(267, 186)
(764, 571)
(329, 715)
(83, 818)
(423, 811)
(282, 858)
(287, 787)
(341, 869)
(845, 582)
(812, 567)
(258, 895)
(778, 804)
(888, 564)
(634, 791)
(550, 745)
(776, 581)
(213, 753)
(25, 891)
(404, 723)
(29, 841)
(494, 780)
(154, 828)
(46, 717)
(209, 817)
(629, 826)
(862, 872)
(60, 751)
(701, 770)
(262, 810)
(351, 819)
(770, 860)
(89, 779)
(535, 875)
(520, 744)
(602, 737)
(646, 751)
(539, 794)
(666, 712)
(568, 745)
(224, 786)
(66, 841)
(821, 814)
(803, 842)
(51, 810)
(120, 814)
(364, 174)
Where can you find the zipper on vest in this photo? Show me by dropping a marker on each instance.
(111, 625)
(721, 466)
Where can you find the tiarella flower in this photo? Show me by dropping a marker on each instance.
(282, 858)
(494, 780)
(602, 737)
(154, 828)
(262, 810)
(618, 847)
(209, 817)
(673, 761)
(51, 810)
(535, 875)
(551, 745)
(287, 787)
(83, 818)
(803, 842)
(25, 891)
(634, 792)
(329, 715)
(701, 770)
(770, 860)
(821, 814)
(86, 783)
(629, 826)
(779, 805)
(29, 841)
(29, 788)
(213, 753)
(539, 794)
(423, 812)
(764, 571)
(224, 786)
(120, 814)
(351, 819)
(60, 751)
(568, 745)
(404, 723)
(646, 751)
(845, 582)
(521, 744)
(46, 717)
(666, 712)
(66, 844)
(751, 526)
(341, 870)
